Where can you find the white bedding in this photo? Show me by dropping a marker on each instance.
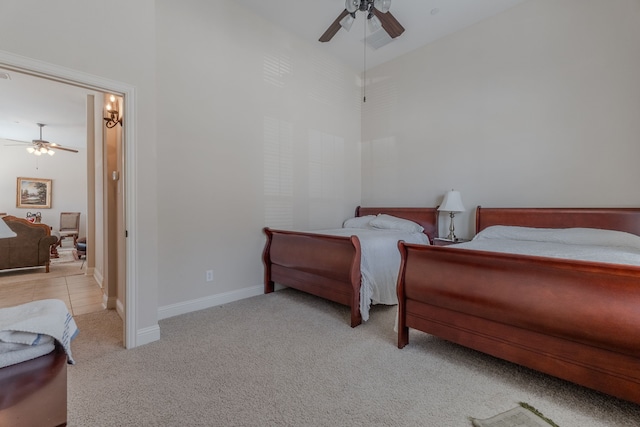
(586, 244)
(27, 331)
(380, 262)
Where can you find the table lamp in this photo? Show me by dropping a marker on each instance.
(452, 203)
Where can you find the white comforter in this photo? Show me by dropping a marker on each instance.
(585, 244)
(379, 264)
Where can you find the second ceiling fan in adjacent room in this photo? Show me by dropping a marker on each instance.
(40, 146)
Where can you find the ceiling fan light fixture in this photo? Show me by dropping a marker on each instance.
(347, 21)
(379, 8)
(373, 23)
(382, 5)
(352, 5)
(41, 146)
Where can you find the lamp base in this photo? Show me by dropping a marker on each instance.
(451, 236)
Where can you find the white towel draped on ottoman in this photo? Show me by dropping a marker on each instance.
(30, 330)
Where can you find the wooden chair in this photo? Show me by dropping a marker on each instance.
(69, 226)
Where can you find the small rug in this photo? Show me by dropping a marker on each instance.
(63, 256)
(524, 415)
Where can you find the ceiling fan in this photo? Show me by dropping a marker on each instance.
(40, 146)
(378, 15)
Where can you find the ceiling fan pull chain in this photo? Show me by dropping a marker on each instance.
(364, 71)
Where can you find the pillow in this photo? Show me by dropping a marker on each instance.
(358, 222)
(568, 236)
(389, 222)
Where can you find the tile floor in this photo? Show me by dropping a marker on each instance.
(80, 292)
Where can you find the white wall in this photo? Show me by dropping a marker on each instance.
(67, 171)
(255, 129)
(537, 106)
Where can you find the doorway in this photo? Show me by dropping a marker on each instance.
(126, 210)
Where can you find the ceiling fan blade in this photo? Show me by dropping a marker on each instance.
(389, 23)
(57, 147)
(17, 140)
(333, 28)
(41, 143)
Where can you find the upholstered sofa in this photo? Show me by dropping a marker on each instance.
(30, 248)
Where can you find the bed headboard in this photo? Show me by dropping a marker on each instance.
(620, 219)
(426, 217)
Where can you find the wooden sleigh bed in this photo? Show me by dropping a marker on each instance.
(576, 320)
(329, 266)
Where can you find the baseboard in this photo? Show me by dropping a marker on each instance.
(109, 303)
(120, 308)
(97, 274)
(142, 336)
(147, 335)
(208, 302)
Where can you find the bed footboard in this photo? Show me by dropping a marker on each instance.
(322, 265)
(575, 320)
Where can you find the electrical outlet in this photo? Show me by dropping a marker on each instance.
(209, 275)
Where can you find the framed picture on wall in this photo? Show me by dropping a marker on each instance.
(33, 193)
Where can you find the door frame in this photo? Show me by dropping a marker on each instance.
(88, 81)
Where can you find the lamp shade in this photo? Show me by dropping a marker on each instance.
(452, 202)
(382, 5)
(374, 24)
(352, 5)
(347, 22)
(5, 231)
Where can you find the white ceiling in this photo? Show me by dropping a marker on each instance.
(424, 21)
(28, 100)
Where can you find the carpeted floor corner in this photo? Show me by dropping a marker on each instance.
(290, 359)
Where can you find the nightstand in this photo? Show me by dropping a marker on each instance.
(444, 242)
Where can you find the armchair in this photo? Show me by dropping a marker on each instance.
(69, 226)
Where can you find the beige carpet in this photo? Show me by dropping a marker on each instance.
(289, 359)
